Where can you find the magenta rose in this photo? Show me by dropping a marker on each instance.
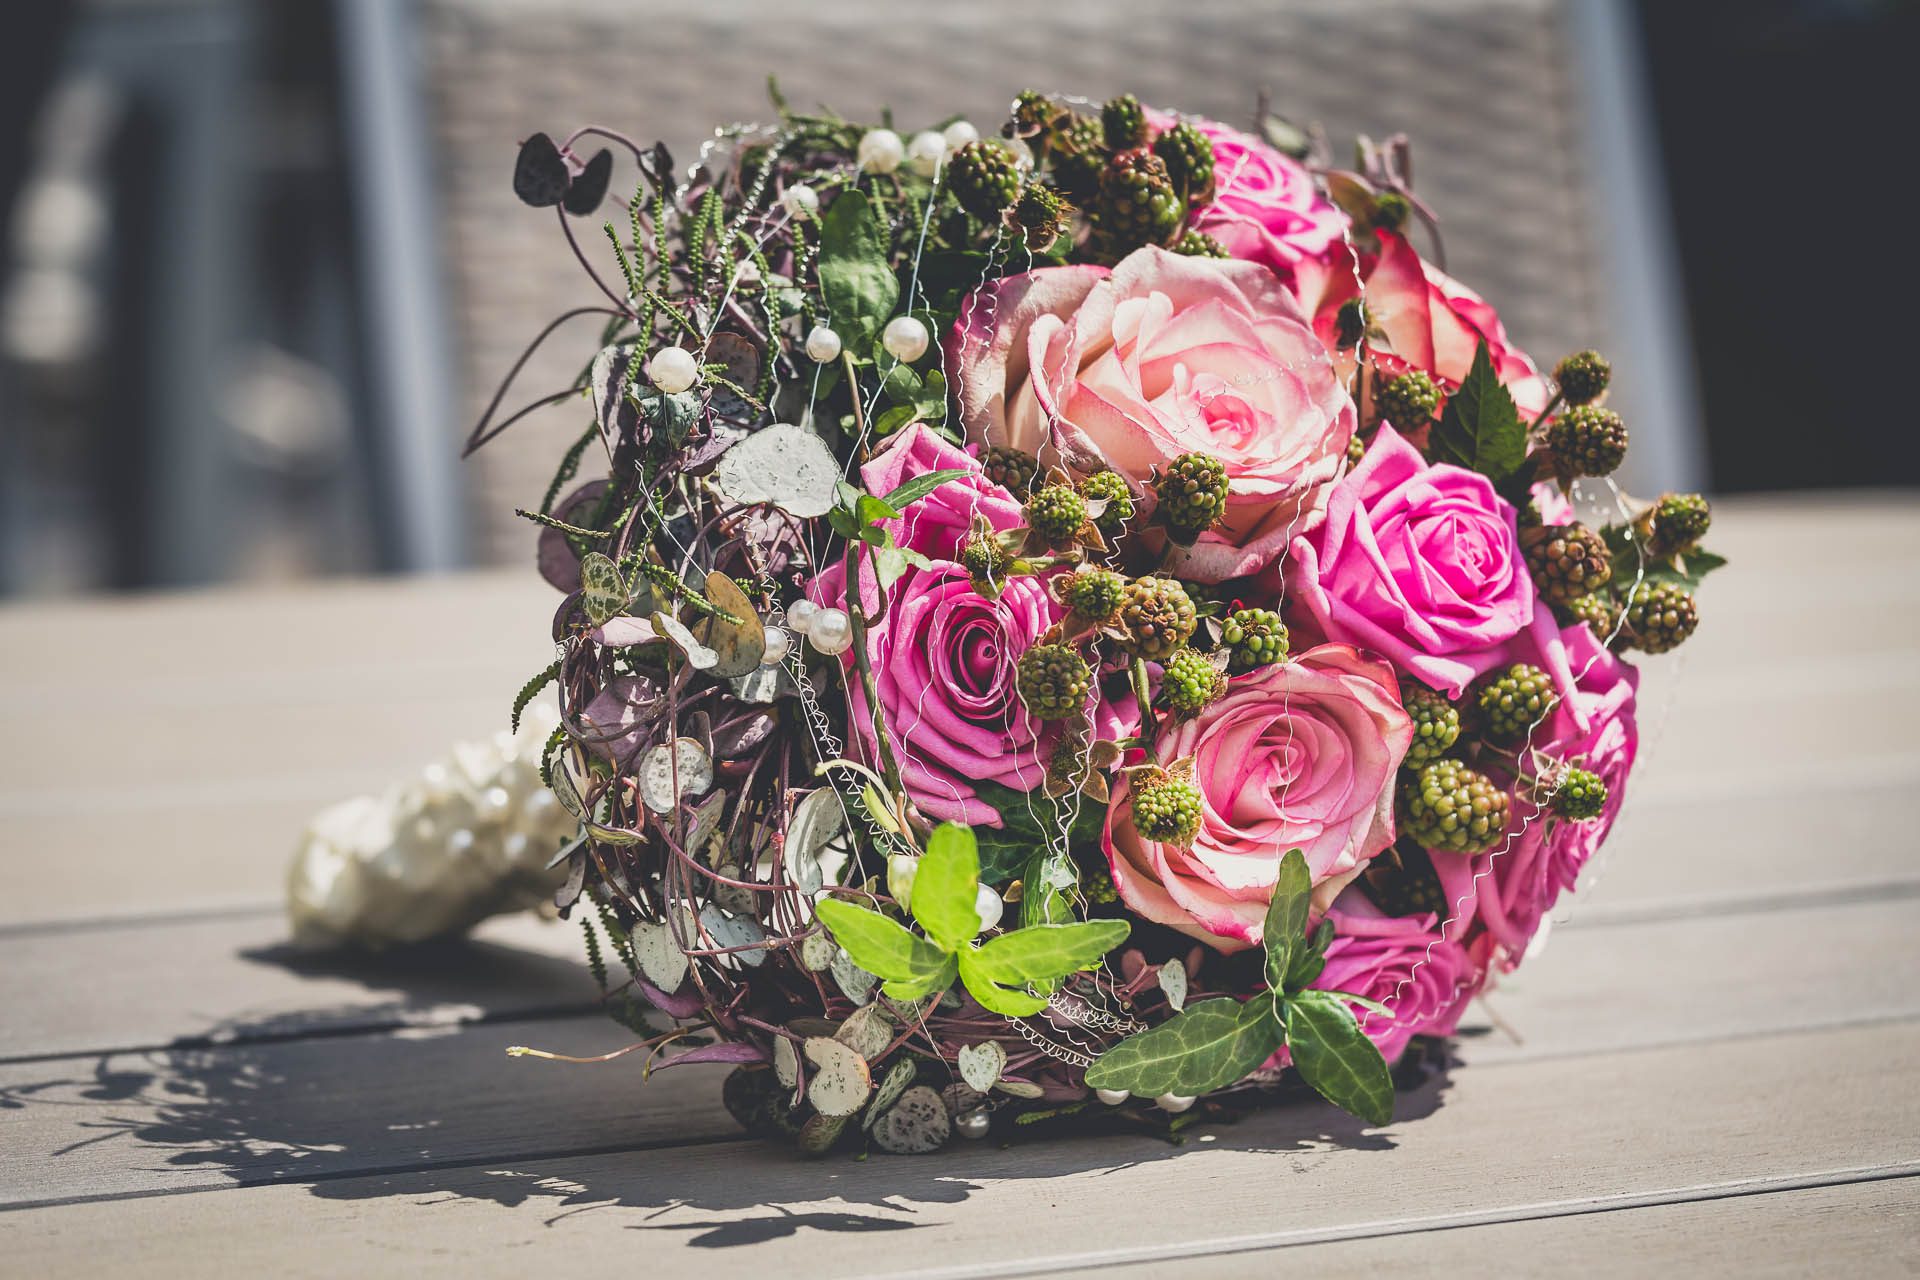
(1421, 562)
(1165, 355)
(1300, 754)
(1266, 206)
(938, 523)
(1403, 962)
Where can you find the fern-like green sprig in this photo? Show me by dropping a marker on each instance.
(531, 689)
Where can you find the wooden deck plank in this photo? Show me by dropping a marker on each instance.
(1525, 1139)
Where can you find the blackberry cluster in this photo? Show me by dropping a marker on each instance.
(1189, 681)
(1166, 809)
(1198, 244)
(1659, 617)
(1137, 204)
(1596, 610)
(1123, 122)
(1109, 487)
(1080, 157)
(1567, 561)
(1407, 401)
(1580, 795)
(1449, 806)
(1188, 156)
(1436, 723)
(1043, 216)
(1156, 618)
(1404, 883)
(1192, 494)
(1516, 699)
(1583, 376)
(1093, 593)
(1587, 440)
(1056, 513)
(984, 179)
(983, 558)
(1254, 638)
(1679, 521)
(1034, 113)
(1010, 468)
(1053, 680)
(1356, 450)
(1391, 211)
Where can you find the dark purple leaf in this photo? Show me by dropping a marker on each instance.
(590, 187)
(721, 1052)
(558, 564)
(680, 1006)
(540, 176)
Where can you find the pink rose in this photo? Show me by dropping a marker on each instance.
(1422, 563)
(1593, 728)
(1165, 355)
(1405, 964)
(1301, 755)
(937, 524)
(1266, 206)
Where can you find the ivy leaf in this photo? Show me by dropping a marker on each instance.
(889, 566)
(1025, 822)
(920, 988)
(856, 278)
(895, 417)
(1365, 1002)
(1285, 929)
(946, 886)
(920, 486)
(1040, 952)
(1309, 960)
(1480, 428)
(1208, 1047)
(868, 509)
(883, 947)
(1334, 1056)
(989, 994)
(1631, 559)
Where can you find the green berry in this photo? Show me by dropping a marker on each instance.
(1192, 494)
(1254, 638)
(1189, 681)
(1660, 617)
(1596, 610)
(1449, 806)
(1587, 441)
(1436, 723)
(1680, 520)
(983, 557)
(1198, 244)
(1109, 487)
(1137, 204)
(1516, 699)
(1056, 513)
(984, 179)
(1094, 593)
(1188, 156)
(1123, 122)
(1567, 561)
(1580, 795)
(1391, 211)
(1402, 882)
(1356, 450)
(1166, 809)
(1096, 882)
(1156, 618)
(1010, 469)
(1043, 216)
(1053, 680)
(1080, 158)
(1583, 376)
(1033, 113)
(1407, 401)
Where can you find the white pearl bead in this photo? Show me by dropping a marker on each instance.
(800, 616)
(1174, 1102)
(901, 868)
(925, 153)
(974, 1123)
(823, 345)
(987, 905)
(672, 369)
(800, 200)
(905, 338)
(831, 631)
(1112, 1097)
(959, 134)
(881, 151)
(779, 645)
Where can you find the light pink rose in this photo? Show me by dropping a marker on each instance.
(1421, 562)
(1163, 356)
(1266, 206)
(1404, 963)
(1300, 754)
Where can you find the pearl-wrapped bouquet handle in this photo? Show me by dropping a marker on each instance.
(469, 838)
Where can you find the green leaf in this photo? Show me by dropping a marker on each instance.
(1041, 899)
(603, 590)
(1040, 952)
(883, 947)
(1481, 429)
(946, 885)
(920, 988)
(1334, 1056)
(856, 274)
(1310, 959)
(868, 509)
(1004, 850)
(895, 417)
(1286, 925)
(920, 486)
(990, 994)
(889, 565)
(1631, 559)
(1365, 1002)
(1208, 1047)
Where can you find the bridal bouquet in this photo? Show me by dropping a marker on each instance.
(1085, 618)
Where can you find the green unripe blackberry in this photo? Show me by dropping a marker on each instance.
(1192, 494)
(1582, 376)
(1402, 882)
(1350, 323)
(1660, 616)
(1254, 638)
(1188, 156)
(1512, 701)
(1436, 723)
(1407, 401)
(1123, 122)
(1097, 883)
(1449, 806)
(983, 557)
(1043, 216)
(1166, 809)
(1093, 593)
(1053, 680)
(1010, 469)
(1198, 244)
(1580, 795)
(1056, 513)
(1033, 113)
(1189, 681)
(1391, 211)
(1596, 610)
(1156, 617)
(1680, 520)
(984, 179)
(1109, 487)
(1137, 204)
(1567, 561)
(1587, 440)
(1080, 158)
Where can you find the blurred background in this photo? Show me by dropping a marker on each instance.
(260, 266)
